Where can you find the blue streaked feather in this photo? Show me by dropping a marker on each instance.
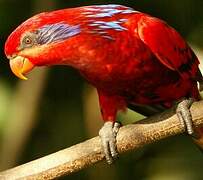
(103, 11)
(108, 6)
(102, 25)
(56, 32)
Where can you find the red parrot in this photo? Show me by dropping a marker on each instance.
(131, 58)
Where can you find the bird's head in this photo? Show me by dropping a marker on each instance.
(41, 40)
(74, 37)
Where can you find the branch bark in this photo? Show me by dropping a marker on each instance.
(130, 137)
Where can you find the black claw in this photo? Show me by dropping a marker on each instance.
(115, 156)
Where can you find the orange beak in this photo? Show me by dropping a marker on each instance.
(21, 66)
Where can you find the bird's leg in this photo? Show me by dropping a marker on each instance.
(109, 105)
(184, 115)
(108, 135)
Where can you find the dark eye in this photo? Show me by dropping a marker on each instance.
(28, 40)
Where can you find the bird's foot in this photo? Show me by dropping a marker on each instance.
(184, 115)
(108, 135)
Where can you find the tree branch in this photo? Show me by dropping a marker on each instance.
(130, 137)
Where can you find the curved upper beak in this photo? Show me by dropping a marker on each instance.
(20, 66)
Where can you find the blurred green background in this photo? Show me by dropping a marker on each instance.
(55, 108)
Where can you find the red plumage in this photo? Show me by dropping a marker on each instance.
(130, 57)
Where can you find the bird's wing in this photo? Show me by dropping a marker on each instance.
(168, 46)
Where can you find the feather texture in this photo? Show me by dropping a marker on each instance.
(56, 32)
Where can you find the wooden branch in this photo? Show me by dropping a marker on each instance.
(130, 137)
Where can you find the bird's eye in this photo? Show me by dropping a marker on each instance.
(28, 40)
